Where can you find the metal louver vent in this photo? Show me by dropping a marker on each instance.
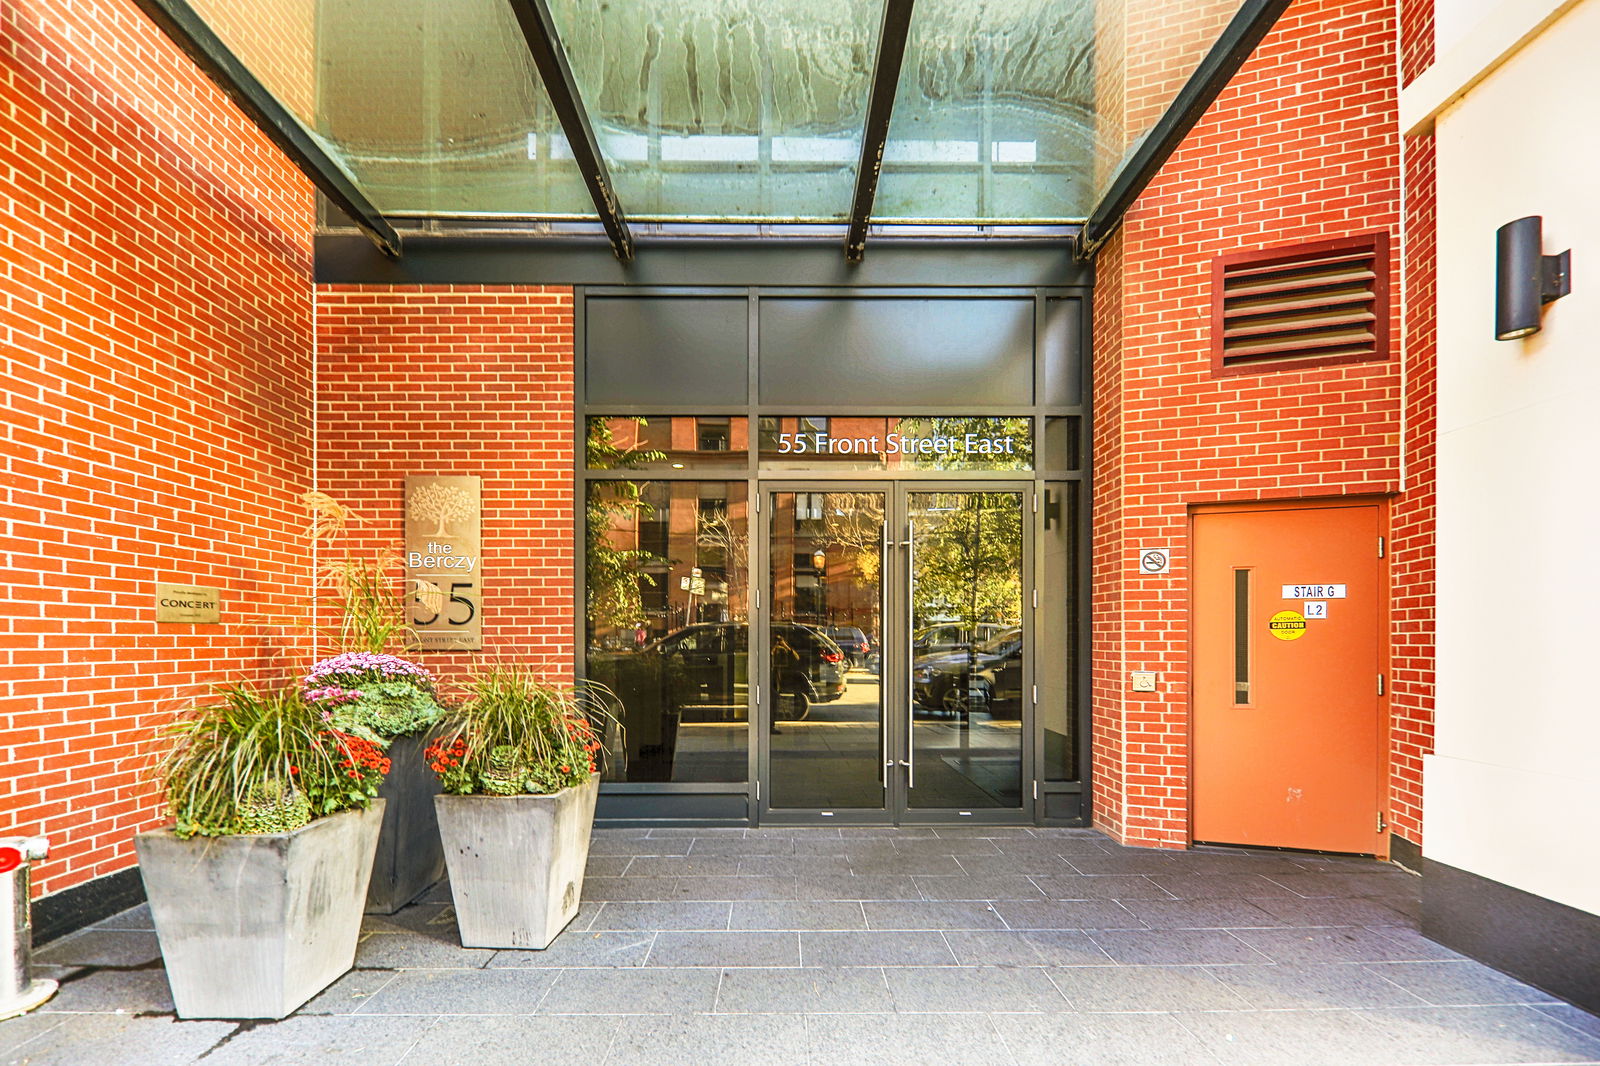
(1311, 305)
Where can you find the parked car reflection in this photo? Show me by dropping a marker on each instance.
(855, 644)
(986, 675)
(948, 637)
(701, 674)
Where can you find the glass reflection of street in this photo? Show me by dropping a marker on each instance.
(966, 736)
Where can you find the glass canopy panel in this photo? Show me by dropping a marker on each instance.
(726, 109)
(1007, 110)
(433, 106)
(437, 109)
(994, 117)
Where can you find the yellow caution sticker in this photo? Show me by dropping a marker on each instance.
(1287, 625)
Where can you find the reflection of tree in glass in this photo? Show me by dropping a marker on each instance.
(726, 541)
(968, 557)
(612, 573)
(439, 502)
(853, 523)
(602, 452)
(1020, 430)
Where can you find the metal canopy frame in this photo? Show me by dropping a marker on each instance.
(875, 134)
(1249, 25)
(544, 42)
(189, 31)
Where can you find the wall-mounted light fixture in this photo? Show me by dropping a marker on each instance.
(1525, 279)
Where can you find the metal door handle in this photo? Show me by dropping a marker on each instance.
(883, 716)
(911, 693)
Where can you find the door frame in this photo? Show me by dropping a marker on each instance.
(894, 662)
(1380, 502)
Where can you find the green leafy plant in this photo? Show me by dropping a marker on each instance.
(254, 761)
(516, 733)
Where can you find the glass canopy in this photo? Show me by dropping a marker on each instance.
(1014, 111)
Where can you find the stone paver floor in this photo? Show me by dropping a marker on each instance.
(882, 946)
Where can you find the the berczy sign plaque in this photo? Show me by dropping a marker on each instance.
(444, 561)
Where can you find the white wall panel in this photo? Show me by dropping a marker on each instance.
(1514, 790)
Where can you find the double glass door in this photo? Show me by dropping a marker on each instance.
(893, 645)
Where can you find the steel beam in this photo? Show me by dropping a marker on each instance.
(539, 29)
(189, 31)
(875, 134)
(1248, 26)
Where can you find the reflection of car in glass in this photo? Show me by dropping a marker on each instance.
(953, 637)
(853, 643)
(988, 674)
(702, 672)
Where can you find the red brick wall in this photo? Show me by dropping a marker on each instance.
(1165, 43)
(1413, 515)
(1144, 51)
(1301, 146)
(462, 379)
(155, 309)
(1416, 38)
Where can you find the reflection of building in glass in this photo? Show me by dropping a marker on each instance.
(675, 549)
(667, 441)
(826, 561)
(667, 618)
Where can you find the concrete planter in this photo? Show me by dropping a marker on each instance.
(516, 863)
(410, 858)
(253, 926)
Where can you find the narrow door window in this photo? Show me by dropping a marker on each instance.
(1241, 637)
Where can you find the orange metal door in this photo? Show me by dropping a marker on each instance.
(1286, 685)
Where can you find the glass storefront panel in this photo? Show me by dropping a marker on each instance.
(922, 443)
(824, 613)
(667, 625)
(1056, 667)
(666, 442)
(1062, 450)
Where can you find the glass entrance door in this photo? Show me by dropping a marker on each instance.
(964, 607)
(822, 702)
(894, 653)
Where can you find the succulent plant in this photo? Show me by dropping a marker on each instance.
(274, 807)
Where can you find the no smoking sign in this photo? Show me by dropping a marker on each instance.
(1155, 560)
